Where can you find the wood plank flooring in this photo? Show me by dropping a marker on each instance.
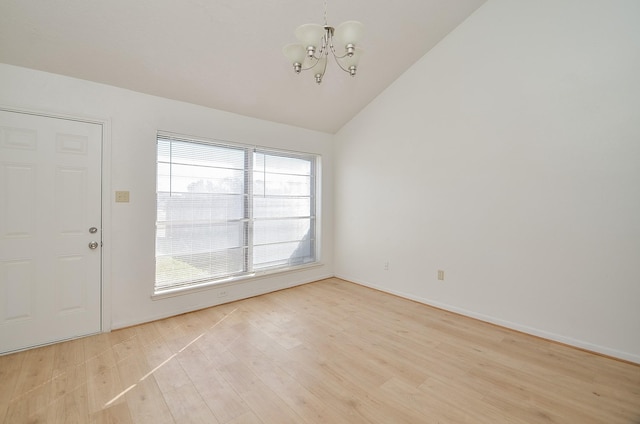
(325, 352)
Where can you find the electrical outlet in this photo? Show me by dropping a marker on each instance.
(386, 265)
(440, 275)
(222, 293)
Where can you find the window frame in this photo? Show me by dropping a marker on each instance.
(248, 272)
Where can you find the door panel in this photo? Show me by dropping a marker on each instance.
(71, 294)
(17, 180)
(50, 196)
(71, 202)
(17, 279)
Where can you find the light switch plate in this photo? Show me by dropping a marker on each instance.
(122, 196)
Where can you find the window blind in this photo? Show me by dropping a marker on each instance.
(227, 210)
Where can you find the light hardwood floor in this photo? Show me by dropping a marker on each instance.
(325, 352)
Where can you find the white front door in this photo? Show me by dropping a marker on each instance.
(50, 229)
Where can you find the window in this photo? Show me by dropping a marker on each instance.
(228, 211)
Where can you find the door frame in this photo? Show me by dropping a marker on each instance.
(105, 206)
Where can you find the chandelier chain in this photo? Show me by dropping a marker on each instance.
(325, 12)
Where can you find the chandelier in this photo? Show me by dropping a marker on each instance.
(316, 41)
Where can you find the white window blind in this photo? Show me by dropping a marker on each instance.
(227, 210)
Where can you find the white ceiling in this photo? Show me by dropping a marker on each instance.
(225, 54)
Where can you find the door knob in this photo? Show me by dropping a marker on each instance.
(93, 245)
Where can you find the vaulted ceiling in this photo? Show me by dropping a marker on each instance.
(225, 54)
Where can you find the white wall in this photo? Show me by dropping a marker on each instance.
(131, 148)
(509, 157)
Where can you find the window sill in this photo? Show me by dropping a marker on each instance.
(230, 281)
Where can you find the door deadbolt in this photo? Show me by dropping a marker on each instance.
(93, 230)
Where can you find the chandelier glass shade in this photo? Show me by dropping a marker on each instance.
(317, 41)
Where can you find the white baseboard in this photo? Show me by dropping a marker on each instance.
(506, 324)
(249, 289)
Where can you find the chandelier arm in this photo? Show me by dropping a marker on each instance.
(322, 51)
(317, 58)
(336, 57)
(333, 50)
(312, 66)
(327, 40)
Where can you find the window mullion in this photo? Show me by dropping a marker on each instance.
(313, 206)
(170, 168)
(248, 192)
